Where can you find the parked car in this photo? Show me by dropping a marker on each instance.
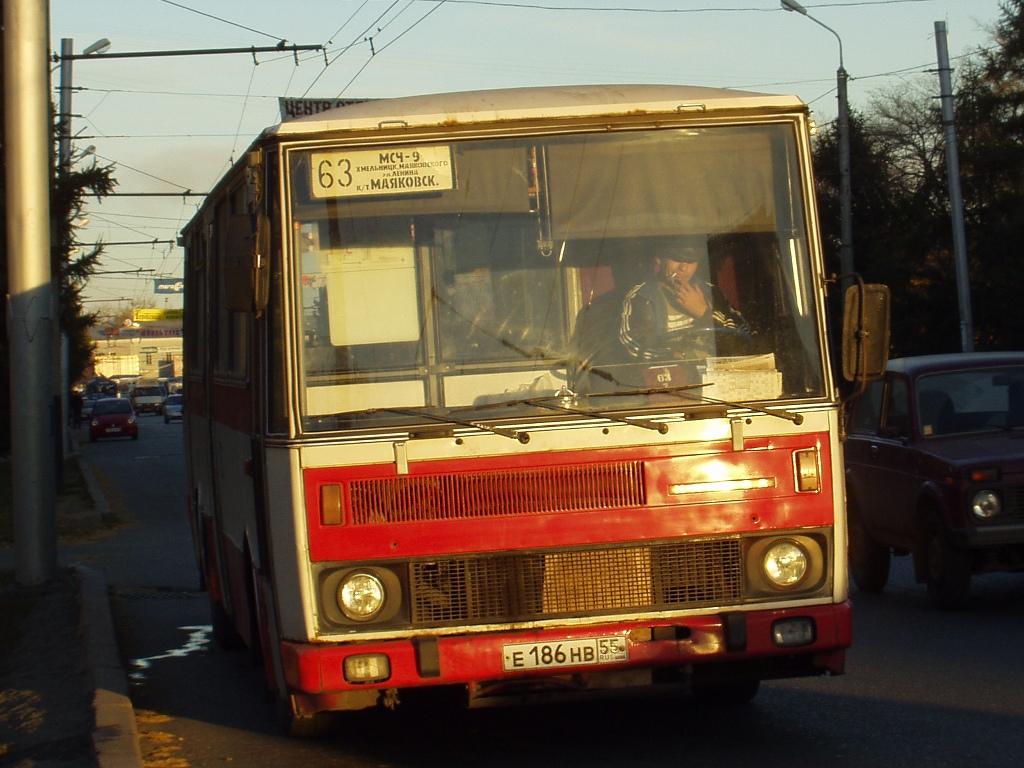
(935, 469)
(87, 405)
(113, 417)
(172, 408)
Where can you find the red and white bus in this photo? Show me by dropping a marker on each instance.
(419, 452)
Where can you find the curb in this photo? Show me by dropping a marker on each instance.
(115, 736)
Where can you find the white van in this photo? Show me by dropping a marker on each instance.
(147, 396)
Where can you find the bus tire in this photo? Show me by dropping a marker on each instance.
(726, 694)
(869, 560)
(224, 632)
(314, 726)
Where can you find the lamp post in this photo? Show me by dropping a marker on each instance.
(845, 193)
(64, 159)
(67, 46)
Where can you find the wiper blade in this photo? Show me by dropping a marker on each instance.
(560, 403)
(682, 391)
(513, 434)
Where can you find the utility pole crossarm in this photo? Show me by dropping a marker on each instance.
(187, 52)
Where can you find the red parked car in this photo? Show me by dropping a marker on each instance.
(113, 417)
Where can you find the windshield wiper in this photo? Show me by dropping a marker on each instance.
(513, 434)
(560, 402)
(682, 391)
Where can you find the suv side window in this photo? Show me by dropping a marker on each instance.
(868, 409)
(896, 418)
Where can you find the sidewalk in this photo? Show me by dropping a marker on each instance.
(42, 682)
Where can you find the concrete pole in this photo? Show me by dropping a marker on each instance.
(30, 322)
(956, 200)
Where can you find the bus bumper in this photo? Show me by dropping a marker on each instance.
(718, 647)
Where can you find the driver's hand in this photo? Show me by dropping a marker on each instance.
(691, 298)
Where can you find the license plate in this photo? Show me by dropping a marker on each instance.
(113, 429)
(567, 653)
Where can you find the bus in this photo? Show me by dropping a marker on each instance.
(420, 452)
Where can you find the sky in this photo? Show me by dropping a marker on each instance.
(175, 124)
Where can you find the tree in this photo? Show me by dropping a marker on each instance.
(67, 197)
(902, 217)
(892, 231)
(991, 122)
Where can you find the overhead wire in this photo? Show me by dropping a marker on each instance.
(359, 38)
(365, 37)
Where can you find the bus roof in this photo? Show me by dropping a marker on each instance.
(530, 103)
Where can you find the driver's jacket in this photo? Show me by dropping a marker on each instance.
(654, 328)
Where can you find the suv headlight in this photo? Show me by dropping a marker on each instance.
(985, 505)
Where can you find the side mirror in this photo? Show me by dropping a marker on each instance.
(865, 332)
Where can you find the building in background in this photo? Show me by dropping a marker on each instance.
(149, 346)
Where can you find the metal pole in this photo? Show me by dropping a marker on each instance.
(845, 187)
(30, 322)
(60, 373)
(956, 201)
(67, 46)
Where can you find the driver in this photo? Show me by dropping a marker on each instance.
(657, 314)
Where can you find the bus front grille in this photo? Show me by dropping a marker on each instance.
(521, 587)
(501, 493)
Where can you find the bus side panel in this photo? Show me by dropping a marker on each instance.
(200, 495)
(232, 468)
(289, 546)
(840, 544)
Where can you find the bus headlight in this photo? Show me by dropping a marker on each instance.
(361, 595)
(785, 563)
(985, 505)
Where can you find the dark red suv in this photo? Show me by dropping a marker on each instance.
(935, 469)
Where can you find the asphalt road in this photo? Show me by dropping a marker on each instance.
(922, 688)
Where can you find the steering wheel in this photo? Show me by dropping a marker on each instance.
(718, 339)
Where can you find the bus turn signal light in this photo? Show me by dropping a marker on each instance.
(806, 465)
(330, 504)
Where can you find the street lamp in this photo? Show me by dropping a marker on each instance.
(64, 160)
(67, 51)
(845, 194)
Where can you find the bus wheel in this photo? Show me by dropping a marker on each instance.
(947, 569)
(869, 560)
(726, 694)
(224, 631)
(314, 726)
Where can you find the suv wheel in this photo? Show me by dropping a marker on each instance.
(947, 568)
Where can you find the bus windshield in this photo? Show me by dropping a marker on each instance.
(471, 272)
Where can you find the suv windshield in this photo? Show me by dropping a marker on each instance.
(971, 401)
(534, 265)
